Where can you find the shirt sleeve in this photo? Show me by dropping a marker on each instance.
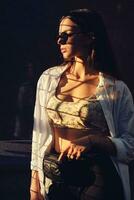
(36, 129)
(124, 109)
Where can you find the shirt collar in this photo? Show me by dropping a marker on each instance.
(105, 80)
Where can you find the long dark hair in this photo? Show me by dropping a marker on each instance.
(91, 22)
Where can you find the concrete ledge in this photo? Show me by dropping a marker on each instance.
(15, 158)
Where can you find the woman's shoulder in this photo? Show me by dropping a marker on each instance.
(114, 81)
(119, 85)
(50, 74)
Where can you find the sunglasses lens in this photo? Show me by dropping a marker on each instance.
(62, 38)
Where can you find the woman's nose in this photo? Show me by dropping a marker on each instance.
(59, 40)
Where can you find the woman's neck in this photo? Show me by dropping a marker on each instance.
(80, 69)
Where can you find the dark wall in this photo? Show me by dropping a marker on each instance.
(28, 31)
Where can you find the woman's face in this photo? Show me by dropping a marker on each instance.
(73, 43)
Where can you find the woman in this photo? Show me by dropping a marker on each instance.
(80, 110)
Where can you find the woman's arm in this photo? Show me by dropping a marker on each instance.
(124, 120)
(98, 143)
(103, 144)
(35, 187)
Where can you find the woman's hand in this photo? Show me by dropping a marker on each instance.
(35, 187)
(76, 148)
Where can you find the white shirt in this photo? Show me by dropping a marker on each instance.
(117, 104)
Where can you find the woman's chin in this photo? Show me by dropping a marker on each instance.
(67, 58)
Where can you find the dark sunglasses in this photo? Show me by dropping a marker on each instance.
(63, 37)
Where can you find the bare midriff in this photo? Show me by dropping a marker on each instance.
(63, 136)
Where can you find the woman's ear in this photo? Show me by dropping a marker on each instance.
(89, 40)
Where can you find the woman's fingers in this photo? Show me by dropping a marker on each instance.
(70, 151)
(61, 156)
(63, 153)
(78, 155)
(73, 151)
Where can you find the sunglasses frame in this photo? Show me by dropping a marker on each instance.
(64, 36)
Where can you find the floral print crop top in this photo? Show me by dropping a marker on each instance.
(82, 114)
